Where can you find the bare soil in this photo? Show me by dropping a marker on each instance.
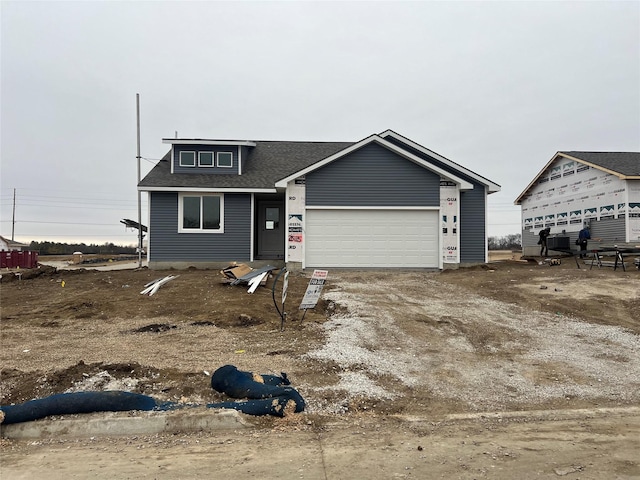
(398, 354)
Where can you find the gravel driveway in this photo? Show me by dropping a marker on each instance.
(415, 337)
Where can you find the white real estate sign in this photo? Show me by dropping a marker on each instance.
(314, 289)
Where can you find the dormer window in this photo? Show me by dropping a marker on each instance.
(225, 159)
(187, 159)
(205, 159)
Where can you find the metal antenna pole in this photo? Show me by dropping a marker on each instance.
(139, 194)
(13, 218)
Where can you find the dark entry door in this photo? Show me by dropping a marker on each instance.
(270, 229)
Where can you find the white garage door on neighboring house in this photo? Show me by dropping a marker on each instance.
(371, 238)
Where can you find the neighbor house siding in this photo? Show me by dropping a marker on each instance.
(167, 245)
(610, 230)
(372, 176)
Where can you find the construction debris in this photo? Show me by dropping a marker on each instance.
(255, 281)
(237, 274)
(152, 287)
(235, 271)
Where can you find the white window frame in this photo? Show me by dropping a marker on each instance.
(194, 158)
(181, 196)
(213, 159)
(218, 160)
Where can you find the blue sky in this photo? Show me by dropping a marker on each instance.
(498, 87)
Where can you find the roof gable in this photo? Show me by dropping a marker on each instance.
(12, 243)
(624, 165)
(492, 187)
(464, 185)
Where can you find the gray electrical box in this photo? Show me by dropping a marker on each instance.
(558, 243)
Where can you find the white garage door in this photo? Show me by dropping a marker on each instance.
(371, 238)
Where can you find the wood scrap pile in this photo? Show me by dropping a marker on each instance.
(238, 274)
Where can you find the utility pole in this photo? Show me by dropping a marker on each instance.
(13, 218)
(139, 194)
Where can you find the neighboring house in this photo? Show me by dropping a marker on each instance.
(10, 245)
(575, 189)
(384, 201)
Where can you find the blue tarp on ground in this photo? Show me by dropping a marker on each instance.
(266, 396)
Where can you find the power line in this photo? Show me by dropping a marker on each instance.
(65, 199)
(56, 190)
(74, 235)
(66, 223)
(119, 209)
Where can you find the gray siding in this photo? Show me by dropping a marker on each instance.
(530, 238)
(205, 148)
(167, 245)
(610, 230)
(473, 235)
(373, 176)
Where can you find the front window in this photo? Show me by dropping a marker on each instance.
(225, 159)
(201, 213)
(187, 159)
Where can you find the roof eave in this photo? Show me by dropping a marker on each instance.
(206, 189)
(518, 200)
(204, 141)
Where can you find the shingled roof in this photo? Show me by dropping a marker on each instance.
(266, 163)
(618, 163)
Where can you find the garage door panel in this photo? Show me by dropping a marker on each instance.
(371, 238)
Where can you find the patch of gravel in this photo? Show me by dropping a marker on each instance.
(349, 343)
(489, 354)
(103, 381)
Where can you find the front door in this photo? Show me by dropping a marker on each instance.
(270, 230)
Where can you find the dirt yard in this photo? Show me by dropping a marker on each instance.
(510, 369)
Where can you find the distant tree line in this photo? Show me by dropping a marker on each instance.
(508, 242)
(54, 248)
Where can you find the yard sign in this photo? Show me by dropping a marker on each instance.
(314, 289)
